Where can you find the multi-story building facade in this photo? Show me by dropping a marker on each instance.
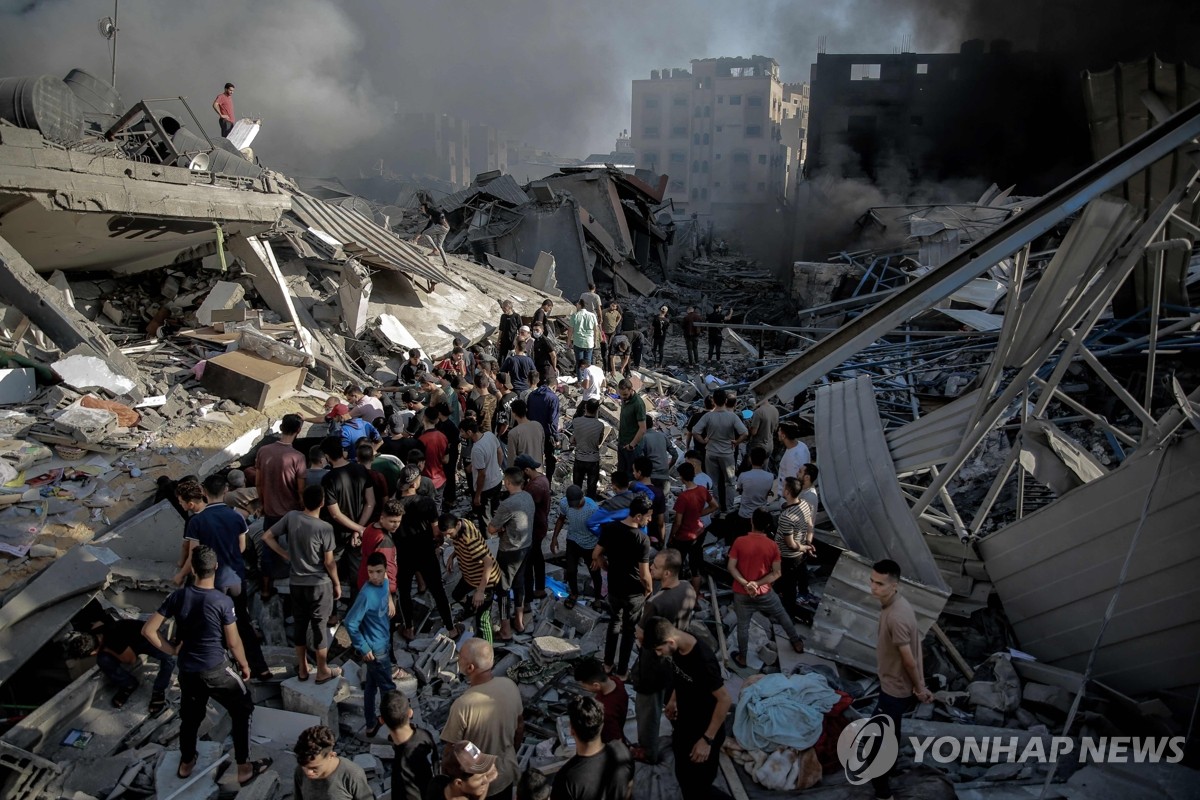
(795, 131)
(715, 131)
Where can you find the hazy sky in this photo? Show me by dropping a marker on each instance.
(325, 75)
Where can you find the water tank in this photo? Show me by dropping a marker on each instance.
(219, 161)
(654, 74)
(95, 95)
(44, 104)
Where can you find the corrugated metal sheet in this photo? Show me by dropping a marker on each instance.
(503, 188)
(858, 484)
(1056, 569)
(979, 320)
(846, 625)
(933, 438)
(388, 249)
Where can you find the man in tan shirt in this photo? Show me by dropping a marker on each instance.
(898, 655)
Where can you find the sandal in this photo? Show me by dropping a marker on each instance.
(334, 672)
(455, 632)
(569, 603)
(739, 659)
(191, 765)
(256, 768)
(122, 697)
(158, 704)
(372, 730)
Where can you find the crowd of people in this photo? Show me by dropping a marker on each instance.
(404, 485)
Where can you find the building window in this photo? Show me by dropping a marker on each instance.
(922, 69)
(741, 158)
(762, 159)
(708, 111)
(695, 138)
(865, 72)
(704, 194)
(762, 187)
(697, 112)
(741, 187)
(735, 99)
(650, 132)
(679, 132)
(720, 99)
(678, 157)
(719, 127)
(704, 138)
(718, 156)
(754, 100)
(753, 131)
(679, 100)
(650, 101)
(650, 160)
(704, 166)
(696, 166)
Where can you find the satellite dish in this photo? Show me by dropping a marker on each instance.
(199, 162)
(107, 27)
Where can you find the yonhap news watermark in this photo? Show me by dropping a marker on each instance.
(868, 749)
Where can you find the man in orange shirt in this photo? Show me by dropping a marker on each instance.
(754, 563)
(223, 105)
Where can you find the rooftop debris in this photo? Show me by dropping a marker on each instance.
(978, 410)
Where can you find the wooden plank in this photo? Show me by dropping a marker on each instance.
(955, 656)
(729, 770)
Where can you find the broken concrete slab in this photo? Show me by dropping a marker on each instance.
(224, 294)
(74, 574)
(264, 787)
(89, 372)
(17, 386)
(281, 726)
(309, 698)
(167, 782)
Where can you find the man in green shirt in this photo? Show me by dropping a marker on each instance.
(583, 333)
(632, 427)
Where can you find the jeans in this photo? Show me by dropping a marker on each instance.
(464, 593)
(582, 354)
(512, 578)
(793, 580)
(625, 612)
(414, 558)
(112, 668)
(720, 469)
(696, 780)
(224, 686)
(714, 349)
(896, 708)
(379, 681)
(575, 554)
(770, 606)
(226, 127)
(586, 475)
(693, 348)
(311, 608)
(535, 568)
(648, 707)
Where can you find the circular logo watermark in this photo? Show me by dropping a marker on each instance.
(868, 748)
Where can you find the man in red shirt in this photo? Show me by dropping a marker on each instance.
(437, 451)
(223, 105)
(687, 527)
(280, 472)
(378, 537)
(754, 563)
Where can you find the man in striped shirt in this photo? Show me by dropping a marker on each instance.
(794, 535)
(480, 574)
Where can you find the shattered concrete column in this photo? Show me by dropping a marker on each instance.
(259, 260)
(27, 291)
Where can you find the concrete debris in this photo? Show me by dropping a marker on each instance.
(89, 372)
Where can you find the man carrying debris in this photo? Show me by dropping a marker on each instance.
(205, 625)
(721, 431)
(223, 105)
(697, 707)
(897, 654)
(510, 324)
(754, 566)
(490, 712)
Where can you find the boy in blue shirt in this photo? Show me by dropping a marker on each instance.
(370, 632)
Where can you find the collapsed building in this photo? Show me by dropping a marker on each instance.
(966, 393)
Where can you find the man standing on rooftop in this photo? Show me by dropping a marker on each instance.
(223, 105)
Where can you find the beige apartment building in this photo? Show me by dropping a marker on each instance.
(716, 131)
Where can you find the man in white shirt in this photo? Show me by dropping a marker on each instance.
(795, 454)
(363, 406)
(486, 474)
(591, 381)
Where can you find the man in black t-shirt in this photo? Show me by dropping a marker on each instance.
(349, 504)
(116, 644)
(598, 771)
(627, 551)
(416, 552)
(697, 709)
(416, 753)
(205, 625)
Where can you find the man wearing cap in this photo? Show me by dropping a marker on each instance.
(467, 774)
(490, 713)
(510, 325)
(524, 338)
(597, 771)
(545, 409)
(697, 707)
(538, 486)
(659, 327)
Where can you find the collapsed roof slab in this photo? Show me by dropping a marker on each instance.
(555, 230)
(596, 192)
(68, 209)
(1040, 217)
(28, 292)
